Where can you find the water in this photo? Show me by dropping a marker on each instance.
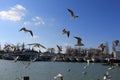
(10, 70)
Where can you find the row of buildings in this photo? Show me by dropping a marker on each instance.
(71, 54)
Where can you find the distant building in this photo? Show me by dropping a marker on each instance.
(118, 55)
(116, 52)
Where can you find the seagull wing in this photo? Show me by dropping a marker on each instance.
(63, 31)
(22, 29)
(116, 42)
(31, 33)
(78, 40)
(68, 34)
(101, 45)
(43, 46)
(71, 12)
(59, 47)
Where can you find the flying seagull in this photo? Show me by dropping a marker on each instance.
(59, 48)
(26, 30)
(116, 42)
(16, 58)
(37, 45)
(102, 46)
(79, 43)
(72, 14)
(66, 32)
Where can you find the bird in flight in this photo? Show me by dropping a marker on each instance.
(102, 46)
(37, 45)
(59, 48)
(66, 32)
(72, 14)
(79, 43)
(26, 30)
(116, 42)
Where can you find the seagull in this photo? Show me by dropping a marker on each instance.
(59, 48)
(37, 45)
(79, 43)
(102, 46)
(116, 42)
(60, 76)
(66, 32)
(16, 58)
(111, 67)
(26, 30)
(106, 76)
(72, 14)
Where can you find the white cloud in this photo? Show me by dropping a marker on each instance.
(36, 21)
(26, 23)
(18, 7)
(15, 13)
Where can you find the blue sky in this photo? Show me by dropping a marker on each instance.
(98, 21)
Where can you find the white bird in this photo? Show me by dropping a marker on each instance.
(79, 41)
(26, 30)
(60, 76)
(66, 32)
(111, 67)
(106, 76)
(59, 48)
(116, 42)
(72, 14)
(37, 45)
(88, 62)
(102, 47)
(16, 58)
(33, 60)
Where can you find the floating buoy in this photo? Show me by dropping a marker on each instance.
(26, 78)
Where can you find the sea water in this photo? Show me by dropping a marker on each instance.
(10, 70)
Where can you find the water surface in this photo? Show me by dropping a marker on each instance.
(10, 70)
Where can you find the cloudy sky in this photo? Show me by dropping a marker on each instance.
(98, 21)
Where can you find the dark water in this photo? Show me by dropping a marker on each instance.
(10, 70)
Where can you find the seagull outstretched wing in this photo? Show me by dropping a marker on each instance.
(72, 13)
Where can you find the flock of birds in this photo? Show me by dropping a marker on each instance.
(64, 31)
(106, 75)
(102, 46)
(79, 43)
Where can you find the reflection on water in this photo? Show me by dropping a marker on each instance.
(10, 70)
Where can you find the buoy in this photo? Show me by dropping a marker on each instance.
(26, 78)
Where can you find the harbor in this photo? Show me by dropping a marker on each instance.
(95, 55)
(59, 40)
